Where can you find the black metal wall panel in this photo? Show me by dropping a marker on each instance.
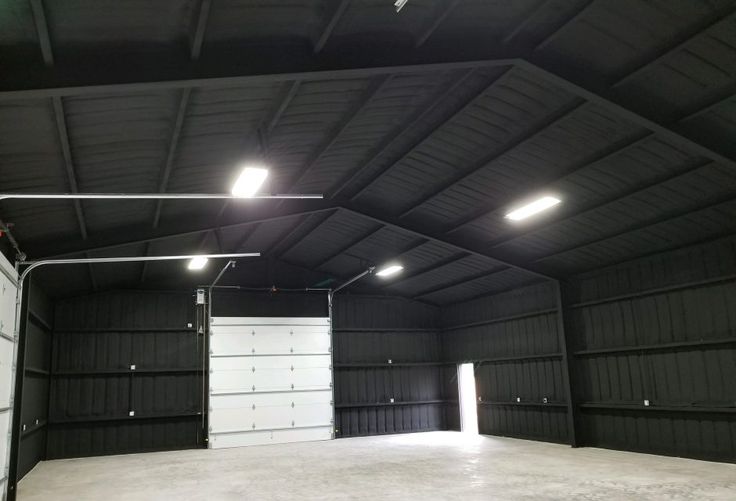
(513, 340)
(655, 349)
(126, 374)
(241, 303)
(35, 368)
(389, 375)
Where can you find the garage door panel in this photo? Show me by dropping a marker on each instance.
(6, 371)
(270, 437)
(271, 362)
(279, 343)
(7, 305)
(268, 382)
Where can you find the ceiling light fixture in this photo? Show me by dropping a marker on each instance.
(197, 263)
(532, 208)
(249, 182)
(399, 4)
(388, 270)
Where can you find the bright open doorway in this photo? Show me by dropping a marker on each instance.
(468, 406)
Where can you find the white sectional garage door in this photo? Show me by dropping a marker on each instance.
(8, 280)
(270, 380)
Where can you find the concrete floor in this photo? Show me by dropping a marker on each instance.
(439, 465)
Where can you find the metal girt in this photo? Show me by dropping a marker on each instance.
(422, 233)
(171, 153)
(136, 235)
(200, 25)
(373, 89)
(527, 135)
(281, 69)
(330, 26)
(423, 111)
(349, 246)
(640, 188)
(626, 113)
(460, 281)
(708, 204)
(467, 104)
(71, 174)
(444, 12)
(42, 30)
(608, 152)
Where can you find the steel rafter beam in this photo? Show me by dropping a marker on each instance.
(715, 18)
(527, 135)
(42, 30)
(269, 124)
(640, 188)
(350, 245)
(73, 81)
(422, 112)
(469, 103)
(288, 244)
(488, 209)
(331, 25)
(431, 268)
(527, 17)
(444, 12)
(373, 89)
(181, 112)
(426, 234)
(71, 174)
(200, 25)
(119, 237)
(670, 216)
(460, 281)
(561, 28)
(626, 113)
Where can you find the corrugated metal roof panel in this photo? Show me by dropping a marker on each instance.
(482, 128)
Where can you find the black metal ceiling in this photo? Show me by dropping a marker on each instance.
(422, 128)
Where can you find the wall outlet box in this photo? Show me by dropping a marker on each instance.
(200, 296)
(131, 413)
(646, 403)
(518, 399)
(392, 400)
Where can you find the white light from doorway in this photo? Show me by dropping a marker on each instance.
(250, 181)
(389, 270)
(535, 207)
(468, 402)
(197, 263)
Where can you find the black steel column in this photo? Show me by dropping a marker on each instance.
(568, 373)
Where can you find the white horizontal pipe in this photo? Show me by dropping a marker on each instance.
(154, 196)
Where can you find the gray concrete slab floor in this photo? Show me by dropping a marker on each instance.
(426, 466)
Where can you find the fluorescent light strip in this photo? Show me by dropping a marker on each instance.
(197, 263)
(535, 207)
(249, 182)
(389, 270)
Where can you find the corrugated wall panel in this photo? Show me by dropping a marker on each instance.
(513, 339)
(655, 350)
(389, 374)
(94, 388)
